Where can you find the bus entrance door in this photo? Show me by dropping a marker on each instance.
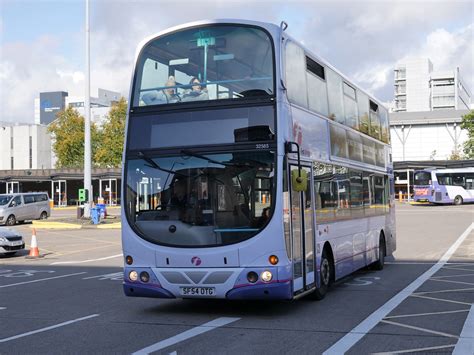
(302, 229)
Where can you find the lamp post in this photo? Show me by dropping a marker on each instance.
(87, 124)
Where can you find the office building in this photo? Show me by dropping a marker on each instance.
(25, 147)
(419, 88)
(50, 103)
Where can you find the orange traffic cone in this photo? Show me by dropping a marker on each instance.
(34, 251)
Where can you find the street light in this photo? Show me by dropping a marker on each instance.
(87, 123)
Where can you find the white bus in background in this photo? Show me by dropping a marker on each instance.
(252, 168)
(443, 186)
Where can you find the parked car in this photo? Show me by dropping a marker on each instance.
(10, 241)
(22, 207)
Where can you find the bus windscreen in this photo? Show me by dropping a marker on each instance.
(205, 63)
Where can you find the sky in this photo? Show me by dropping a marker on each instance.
(42, 42)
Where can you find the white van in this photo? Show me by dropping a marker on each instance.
(21, 207)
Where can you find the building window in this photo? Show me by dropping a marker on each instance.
(11, 163)
(11, 142)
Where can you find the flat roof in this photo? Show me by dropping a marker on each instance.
(427, 117)
(58, 174)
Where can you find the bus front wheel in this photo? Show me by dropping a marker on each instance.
(379, 264)
(458, 200)
(325, 276)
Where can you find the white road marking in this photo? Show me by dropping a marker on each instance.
(465, 343)
(116, 276)
(24, 273)
(408, 263)
(454, 282)
(362, 281)
(440, 299)
(206, 327)
(426, 314)
(416, 350)
(444, 291)
(420, 329)
(3, 308)
(86, 261)
(4, 340)
(457, 268)
(39, 280)
(357, 333)
(447, 277)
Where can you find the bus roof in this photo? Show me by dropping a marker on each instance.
(454, 170)
(270, 27)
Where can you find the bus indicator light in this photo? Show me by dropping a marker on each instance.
(273, 259)
(129, 260)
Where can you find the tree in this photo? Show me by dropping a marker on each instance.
(468, 124)
(109, 152)
(455, 154)
(68, 134)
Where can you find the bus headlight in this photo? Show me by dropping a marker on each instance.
(133, 275)
(266, 276)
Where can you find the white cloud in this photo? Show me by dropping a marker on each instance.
(363, 40)
(374, 78)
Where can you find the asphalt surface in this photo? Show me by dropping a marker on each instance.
(71, 301)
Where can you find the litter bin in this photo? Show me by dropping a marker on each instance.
(80, 212)
(103, 209)
(95, 215)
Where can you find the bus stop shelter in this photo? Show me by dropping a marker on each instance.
(62, 185)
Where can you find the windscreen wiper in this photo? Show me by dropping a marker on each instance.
(200, 156)
(154, 165)
(192, 154)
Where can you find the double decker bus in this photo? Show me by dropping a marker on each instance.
(444, 186)
(252, 168)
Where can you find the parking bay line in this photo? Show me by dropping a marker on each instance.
(465, 344)
(216, 323)
(85, 261)
(45, 279)
(47, 328)
(359, 331)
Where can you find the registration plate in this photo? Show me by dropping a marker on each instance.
(198, 291)
(14, 244)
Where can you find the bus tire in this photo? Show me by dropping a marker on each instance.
(458, 200)
(326, 272)
(379, 264)
(11, 220)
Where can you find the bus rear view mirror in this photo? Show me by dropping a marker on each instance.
(299, 180)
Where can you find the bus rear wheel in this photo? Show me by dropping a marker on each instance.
(325, 276)
(458, 200)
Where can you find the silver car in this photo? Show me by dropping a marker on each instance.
(21, 207)
(10, 241)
